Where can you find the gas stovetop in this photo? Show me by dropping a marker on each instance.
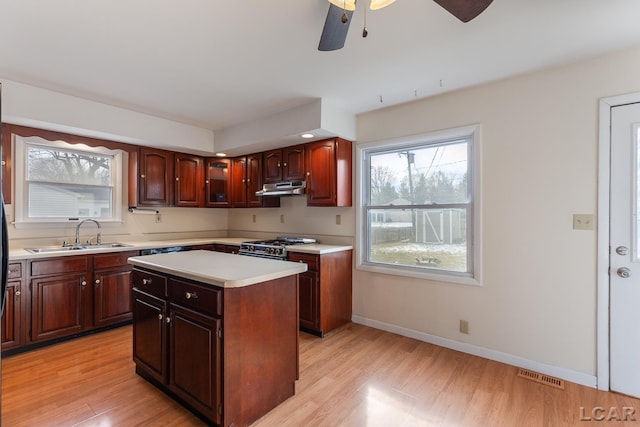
(274, 248)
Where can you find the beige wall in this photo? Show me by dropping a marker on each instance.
(539, 167)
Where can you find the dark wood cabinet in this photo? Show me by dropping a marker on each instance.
(229, 354)
(246, 179)
(154, 177)
(324, 290)
(230, 249)
(189, 180)
(328, 178)
(150, 334)
(60, 297)
(112, 288)
(239, 182)
(12, 317)
(284, 164)
(218, 183)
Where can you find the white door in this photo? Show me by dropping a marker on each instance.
(624, 276)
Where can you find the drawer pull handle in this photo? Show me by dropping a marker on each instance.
(146, 281)
(159, 316)
(190, 295)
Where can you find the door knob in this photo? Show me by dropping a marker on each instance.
(622, 250)
(624, 272)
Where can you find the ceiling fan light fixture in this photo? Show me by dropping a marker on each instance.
(345, 4)
(379, 4)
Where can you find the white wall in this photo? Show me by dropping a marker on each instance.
(539, 136)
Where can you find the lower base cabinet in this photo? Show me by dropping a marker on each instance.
(228, 354)
(325, 290)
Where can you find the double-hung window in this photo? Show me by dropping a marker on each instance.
(418, 206)
(59, 182)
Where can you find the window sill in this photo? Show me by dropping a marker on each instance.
(407, 271)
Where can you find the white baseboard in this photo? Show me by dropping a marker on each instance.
(509, 359)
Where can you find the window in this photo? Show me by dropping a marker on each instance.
(417, 209)
(61, 182)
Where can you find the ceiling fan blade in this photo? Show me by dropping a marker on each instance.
(334, 32)
(464, 10)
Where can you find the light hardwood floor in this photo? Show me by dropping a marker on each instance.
(357, 376)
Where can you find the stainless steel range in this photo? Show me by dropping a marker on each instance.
(274, 249)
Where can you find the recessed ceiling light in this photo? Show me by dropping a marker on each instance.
(307, 135)
(221, 154)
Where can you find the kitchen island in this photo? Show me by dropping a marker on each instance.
(217, 332)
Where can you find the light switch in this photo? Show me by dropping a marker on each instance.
(583, 222)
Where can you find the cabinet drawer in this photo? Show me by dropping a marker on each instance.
(201, 298)
(15, 270)
(311, 260)
(150, 283)
(111, 260)
(72, 264)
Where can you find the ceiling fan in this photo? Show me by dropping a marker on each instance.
(340, 12)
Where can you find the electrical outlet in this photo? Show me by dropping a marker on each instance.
(254, 219)
(583, 222)
(464, 326)
(338, 219)
(282, 219)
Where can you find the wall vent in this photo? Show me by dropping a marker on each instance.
(541, 378)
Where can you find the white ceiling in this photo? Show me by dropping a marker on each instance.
(216, 64)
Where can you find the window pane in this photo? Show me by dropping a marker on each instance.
(57, 165)
(438, 240)
(421, 175)
(69, 201)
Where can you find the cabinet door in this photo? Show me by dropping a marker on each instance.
(293, 163)
(321, 173)
(150, 335)
(239, 182)
(11, 317)
(156, 176)
(309, 293)
(57, 306)
(254, 180)
(111, 296)
(194, 354)
(189, 180)
(218, 183)
(272, 166)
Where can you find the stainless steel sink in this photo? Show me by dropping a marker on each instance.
(50, 249)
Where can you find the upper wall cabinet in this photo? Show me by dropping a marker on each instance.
(285, 164)
(217, 183)
(328, 165)
(246, 179)
(151, 177)
(189, 180)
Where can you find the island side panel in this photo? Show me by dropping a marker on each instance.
(336, 290)
(260, 335)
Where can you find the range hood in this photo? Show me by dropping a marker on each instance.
(285, 188)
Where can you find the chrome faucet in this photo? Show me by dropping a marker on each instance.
(98, 237)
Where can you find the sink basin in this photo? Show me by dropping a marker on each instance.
(49, 249)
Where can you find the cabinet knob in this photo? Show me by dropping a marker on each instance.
(308, 173)
(146, 281)
(190, 295)
(206, 181)
(97, 281)
(142, 176)
(167, 319)
(18, 293)
(83, 283)
(177, 178)
(159, 316)
(248, 179)
(278, 164)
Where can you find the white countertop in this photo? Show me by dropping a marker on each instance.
(319, 249)
(217, 268)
